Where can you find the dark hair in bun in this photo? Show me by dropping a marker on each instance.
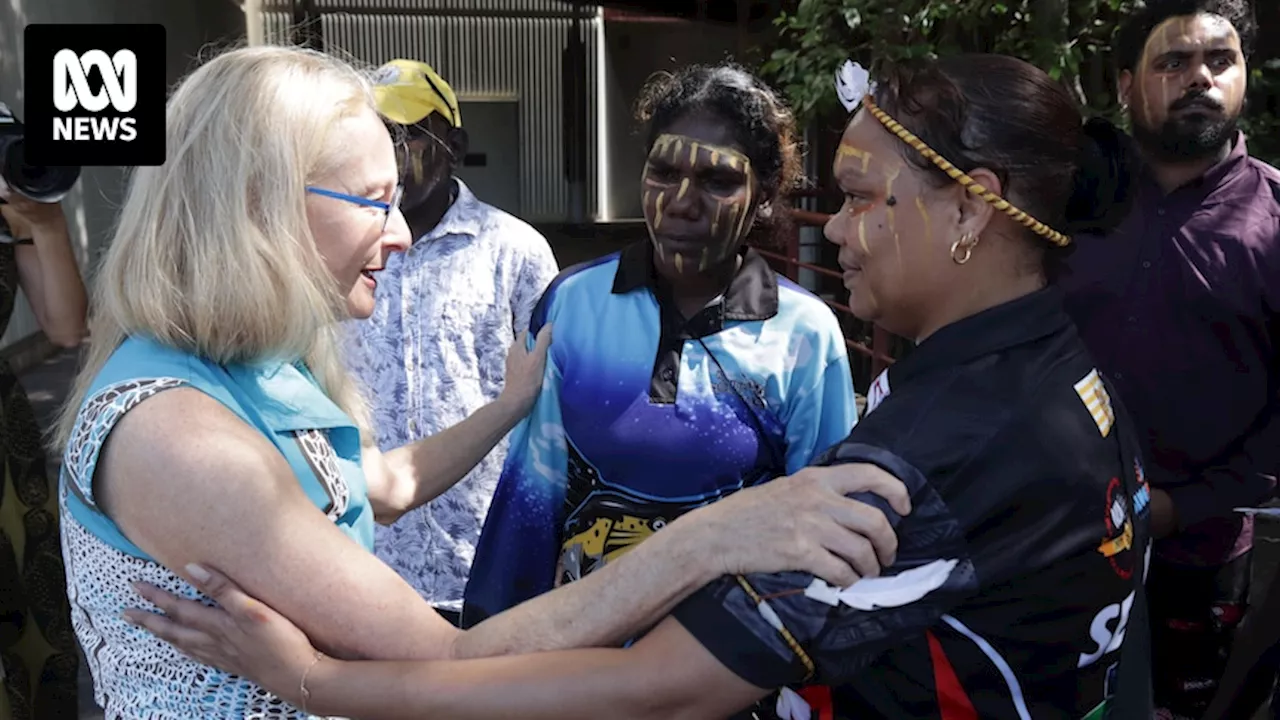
(1008, 116)
(1100, 196)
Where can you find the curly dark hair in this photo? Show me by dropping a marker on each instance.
(1135, 30)
(1006, 115)
(762, 123)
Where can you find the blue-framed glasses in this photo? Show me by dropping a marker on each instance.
(386, 207)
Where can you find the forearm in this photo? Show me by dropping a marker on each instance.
(608, 607)
(62, 290)
(425, 469)
(586, 684)
(668, 675)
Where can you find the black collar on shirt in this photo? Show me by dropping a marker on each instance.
(752, 295)
(1014, 323)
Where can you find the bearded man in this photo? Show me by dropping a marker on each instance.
(1181, 308)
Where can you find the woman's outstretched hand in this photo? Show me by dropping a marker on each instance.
(525, 369)
(241, 635)
(803, 522)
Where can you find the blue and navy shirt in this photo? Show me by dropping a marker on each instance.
(645, 415)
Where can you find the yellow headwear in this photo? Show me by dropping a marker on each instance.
(407, 91)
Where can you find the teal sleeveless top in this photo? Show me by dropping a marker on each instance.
(135, 674)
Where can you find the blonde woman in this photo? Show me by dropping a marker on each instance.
(212, 423)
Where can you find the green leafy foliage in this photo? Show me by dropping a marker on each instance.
(1260, 122)
(1070, 39)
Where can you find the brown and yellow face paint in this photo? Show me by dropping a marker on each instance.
(852, 161)
(869, 219)
(699, 200)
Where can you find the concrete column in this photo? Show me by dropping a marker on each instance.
(253, 21)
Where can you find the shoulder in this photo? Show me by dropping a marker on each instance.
(1241, 224)
(210, 433)
(589, 281)
(1265, 172)
(513, 234)
(1033, 441)
(1261, 185)
(935, 423)
(160, 417)
(805, 312)
(1255, 197)
(1003, 409)
(1268, 199)
(140, 363)
(175, 458)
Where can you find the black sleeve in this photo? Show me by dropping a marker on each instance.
(784, 628)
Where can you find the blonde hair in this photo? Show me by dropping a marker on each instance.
(212, 253)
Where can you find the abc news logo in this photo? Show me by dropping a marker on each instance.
(71, 90)
(95, 94)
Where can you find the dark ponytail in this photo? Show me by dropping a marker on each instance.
(1101, 190)
(1101, 193)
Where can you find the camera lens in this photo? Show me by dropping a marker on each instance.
(42, 183)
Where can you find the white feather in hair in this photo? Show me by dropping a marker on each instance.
(853, 82)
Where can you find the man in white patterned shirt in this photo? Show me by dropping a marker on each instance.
(446, 312)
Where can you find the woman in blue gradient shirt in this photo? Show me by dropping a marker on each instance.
(683, 369)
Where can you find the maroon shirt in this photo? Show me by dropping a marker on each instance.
(1180, 306)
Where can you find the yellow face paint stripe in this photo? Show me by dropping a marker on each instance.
(924, 215)
(745, 206)
(846, 150)
(666, 141)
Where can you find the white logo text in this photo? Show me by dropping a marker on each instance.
(71, 90)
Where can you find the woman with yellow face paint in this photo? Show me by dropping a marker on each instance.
(684, 368)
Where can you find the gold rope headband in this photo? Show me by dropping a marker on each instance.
(961, 177)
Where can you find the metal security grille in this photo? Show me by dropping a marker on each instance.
(485, 49)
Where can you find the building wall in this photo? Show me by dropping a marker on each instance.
(485, 49)
(91, 206)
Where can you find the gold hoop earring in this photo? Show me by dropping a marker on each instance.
(965, 247)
